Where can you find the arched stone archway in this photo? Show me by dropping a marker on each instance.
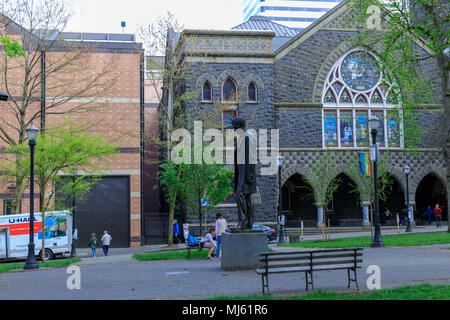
(298, 201)
(345, 207)
(430, 191)
(394, 199)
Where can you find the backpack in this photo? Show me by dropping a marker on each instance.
(192, 241)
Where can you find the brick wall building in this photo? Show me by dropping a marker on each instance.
(115, 204)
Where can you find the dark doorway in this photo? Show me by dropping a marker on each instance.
(106, 207)
(344, 209)
(298, 202)
(393, 198)
(431, 191)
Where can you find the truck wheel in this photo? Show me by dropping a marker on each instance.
(48, 255)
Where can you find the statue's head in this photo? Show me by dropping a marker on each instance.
(238, 123)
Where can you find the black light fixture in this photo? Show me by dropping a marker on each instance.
(407, 171)
(31, 263)
(3, 97)
(280, 201)
(374, 123)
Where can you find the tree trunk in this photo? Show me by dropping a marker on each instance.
(200, 214)
(171, 216)
(43, 237)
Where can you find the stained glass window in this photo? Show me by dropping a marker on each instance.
(361, 99)
(329, 97)
(376, 98)
(391, 98)
(354, 89)
(360, 71)
(207, 92)
(345, 97)
(346, 128)
(229, 91)
(227, 116)
(337, 87)
(362, 130)
(330, 128)
(393, 130)
(380, 134)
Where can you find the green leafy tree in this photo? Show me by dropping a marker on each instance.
(59, 150)
(205, 186)
(365, 183)
(169, 176)
(323, 179)
(409, 37)
(12, 47)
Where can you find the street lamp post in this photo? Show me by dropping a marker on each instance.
(407, 170)
(377, 241)
(73, 251)
(31, 262)
(280, 201)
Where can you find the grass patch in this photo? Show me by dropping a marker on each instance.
(170, 255)
(422, 292)
(403, 240)
(174, 255)
(5, 267)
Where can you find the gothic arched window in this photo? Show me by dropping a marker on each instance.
(252, 92)
(207, 92)
(354, 90)
(229, 90)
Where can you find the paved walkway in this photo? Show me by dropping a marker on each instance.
(118, 276)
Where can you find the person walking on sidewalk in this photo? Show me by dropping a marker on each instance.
(282, 223)
(221, 227)
(429, 215)
(93, 243)
(437, 215)
(106, 239)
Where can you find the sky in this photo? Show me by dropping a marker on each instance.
(106, 15)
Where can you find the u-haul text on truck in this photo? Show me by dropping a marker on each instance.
(15, 234)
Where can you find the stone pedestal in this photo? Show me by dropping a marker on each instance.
(240, 250)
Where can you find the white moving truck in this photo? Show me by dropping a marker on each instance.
(15, 234)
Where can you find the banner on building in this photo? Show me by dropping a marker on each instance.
(364, 163)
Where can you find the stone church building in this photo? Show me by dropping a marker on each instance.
(319, 91)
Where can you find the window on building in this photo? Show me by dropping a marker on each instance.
(354, 91)
(229, 90)
(7, 206)
(251, 92)
(207, 92)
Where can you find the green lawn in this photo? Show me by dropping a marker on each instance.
(5, 267)
(173, 255)
(422, 292)
(401, 240)
(170, 255)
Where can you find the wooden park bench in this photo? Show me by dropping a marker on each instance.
(309, 261)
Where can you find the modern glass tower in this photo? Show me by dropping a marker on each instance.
(295, 14)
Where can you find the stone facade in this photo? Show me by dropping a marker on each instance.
(290, 85)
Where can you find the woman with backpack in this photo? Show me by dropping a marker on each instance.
(93, 243)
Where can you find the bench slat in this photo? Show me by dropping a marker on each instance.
(307, 257)
(309, 251)
(304, 269)
(322, 263)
